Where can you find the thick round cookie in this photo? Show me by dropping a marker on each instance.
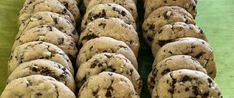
(162, 16)
(46, 68)
(128, 4)
(33, 6)
(37, 86)
(48, 34)
(50, 19)
(105, 44)
(38, 50)
(189, 5)
(173, 31)
(108, 85)
(197, 48)
(172, 63)
(109, 10)
(112, 62)
(114, 28)
(86, 2)
(186, 84)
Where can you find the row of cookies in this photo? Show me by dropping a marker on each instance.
(109, 44)
(184, 65)
(41, 62)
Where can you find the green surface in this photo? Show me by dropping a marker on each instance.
(216, 17)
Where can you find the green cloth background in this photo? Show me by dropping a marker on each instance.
(216, 17)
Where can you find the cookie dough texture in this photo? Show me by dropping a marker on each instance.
(172, 63)
(50, 19)
(197, 48)
(48, 34)
(37, 86)
(114, 28)
(127, 4)
(105, 44)
(109, 62)
(46, 68)
(163, 16)
(109, 10)
(173, 31)
(38, 50)
(188, 5)
(33, 6)
(186, 84)
(108, 85)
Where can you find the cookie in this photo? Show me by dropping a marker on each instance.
(107, 85)
(38, 50)
(37, 86)
(172, 63)
(186, 84)
(50, 19)
(86, 2)
(128, 4)
(33, 6)
(173, 31)
(108, 62)
(163, 16)
(109, 10)
(188, 5)
(197, 48)
(105, 44)
(48, 34)
(44, 67)
(114, 28)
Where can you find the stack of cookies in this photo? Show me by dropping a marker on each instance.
(184, 65)
(46, 45)
(109, 44)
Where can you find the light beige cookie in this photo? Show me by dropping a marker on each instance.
(46, 68)
(114, 28)
(112, 62)
(163, 16)
(109, 10)
(186, 84)
(105, 44)
(128, 4)
(50, 19)
(172, 63)
(36, 86)
(173, 31)
(48, 34)
(197, 48)
(188, 5)
(38, 50)
(108, 85)
(33, 6)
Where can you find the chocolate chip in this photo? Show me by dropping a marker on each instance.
(186, 78)
(109, 92)
(60, 41)
(95, 63)
(103, 25)
(89, 36)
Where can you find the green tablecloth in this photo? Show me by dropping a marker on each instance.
(216, 17)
